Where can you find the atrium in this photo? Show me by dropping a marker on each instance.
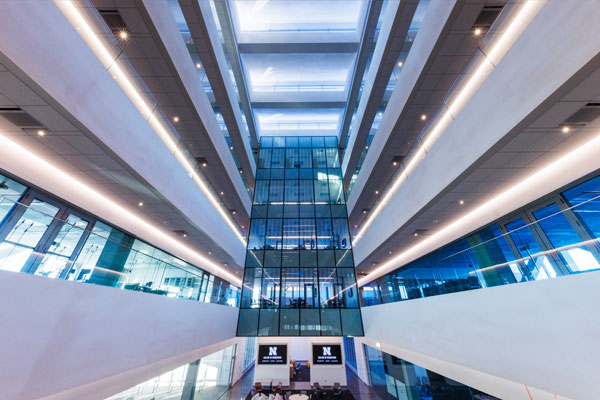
(299, 199)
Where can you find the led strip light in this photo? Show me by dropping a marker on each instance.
(71, 12)
(14, 154)
(500, 48)
(586, 154)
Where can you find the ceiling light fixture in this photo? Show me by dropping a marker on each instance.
(198, 65)
(477, 31)
(461, 202)
(41, 132)
(176, 119)
(14, 154)
(565, 129)
(493, 57)
(141, 204)
(123, 35)
(76, 19)
(423, 117)
(400, 64)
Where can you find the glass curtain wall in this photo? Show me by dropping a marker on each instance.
(43, 236)
(299, 275)
(205, 379)
(557, 236)
(395, 378)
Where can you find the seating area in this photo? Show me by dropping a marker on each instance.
(318, 392)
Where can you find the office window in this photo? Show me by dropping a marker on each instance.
(41, 235)
(555, 237)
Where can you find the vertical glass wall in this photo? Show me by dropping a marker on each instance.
(43, 236)
(395, 378)
(299, 274)
(556, 236)
(205, 379)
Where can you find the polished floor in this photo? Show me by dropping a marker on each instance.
(358, 388)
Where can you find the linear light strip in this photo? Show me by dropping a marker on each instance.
(13, 152)
(500, 48)
(85, 31)
(586, 154)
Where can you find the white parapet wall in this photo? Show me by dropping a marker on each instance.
(538, 338)
(71, 340)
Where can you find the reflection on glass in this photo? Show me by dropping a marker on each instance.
(562, 239)
(298, 237)
(33, 239)
(25, 235)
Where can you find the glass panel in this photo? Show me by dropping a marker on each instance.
(248, 322)
(25, 235)
(585, 198)
(561, 233)
(57, 257)
(10, 193)
(351, 322)
(310, 324)
(330, 323)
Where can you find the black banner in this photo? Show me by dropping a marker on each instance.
(272, 354)
(324, 354)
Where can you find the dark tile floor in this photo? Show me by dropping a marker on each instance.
(358, 388)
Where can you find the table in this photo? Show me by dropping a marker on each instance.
(298, 397)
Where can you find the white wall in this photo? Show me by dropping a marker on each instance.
(71, 340)
(275, 373)
(327, 375)
(542, 334)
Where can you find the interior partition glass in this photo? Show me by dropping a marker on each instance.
(299, 275)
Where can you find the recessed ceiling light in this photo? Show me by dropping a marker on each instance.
(461, 202)
(416, 234)
(377, 192)
(123, 35)
(565, 129)
(230, 147)
(378, 345)
(423, 117)
(400, 64)
(477, 31)
(185, 235)
(198, 65)
(367, 147)
(389, 252)
(41, 132)
(222, 193)
(394, 163)
(141, 204)
(243, 226)
(356, 226)
(176, 119)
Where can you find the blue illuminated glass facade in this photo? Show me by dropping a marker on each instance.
(555, 236)
(299, 275)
